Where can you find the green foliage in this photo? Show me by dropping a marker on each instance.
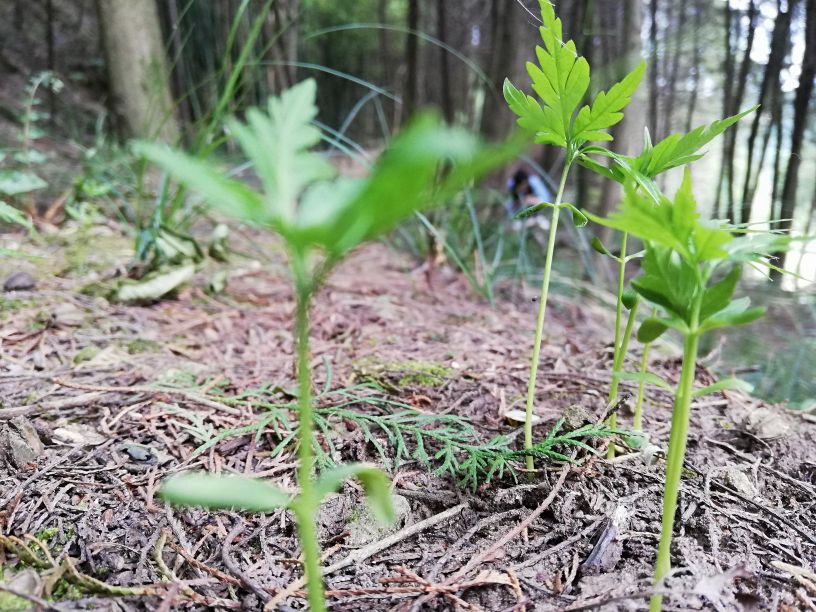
(683, 255)
(303, 200)
(199, 489)
(561, 80)
(318, 214)
(691, 269)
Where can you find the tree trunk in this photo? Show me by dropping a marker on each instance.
(628, 134)
(444, 63)
(411, 89)
(495, 121)
(137, 68)
(695, 64)
(679, 30)
(730, 136)
(728, 85)
(654, 92)
(800, 108)
(770, 81)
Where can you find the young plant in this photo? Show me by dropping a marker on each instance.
(561, 79)
(673, 151)
(691, 269)
(321, 218)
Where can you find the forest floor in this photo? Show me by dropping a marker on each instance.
(119, 397)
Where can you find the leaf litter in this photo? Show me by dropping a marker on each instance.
(80, 512)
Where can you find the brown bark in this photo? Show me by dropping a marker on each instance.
(804, 93)
(735, 101)
(444, 63)
(495, 121)
(137, 68)
(654, 92)
(411, 88)
(770, 82)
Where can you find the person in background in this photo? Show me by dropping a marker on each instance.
(527, 189)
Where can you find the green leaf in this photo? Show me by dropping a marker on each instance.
(605, 109)
(650, 378)
(579, 219)
(228, 195)
(667, 281)
(735, 384)
(629, 299)
(731, 317)
(651, 329)
(9, 214)
(211, 491)
(14, 182)
(560, 80)
(680, 149)
(529, 211)
(278, 143)
(718, 296)
(375, 483)
(600, 248)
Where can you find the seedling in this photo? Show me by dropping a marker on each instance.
(321, 218)
(690, 271)
(560, 80)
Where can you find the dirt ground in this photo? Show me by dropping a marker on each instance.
(121, 396)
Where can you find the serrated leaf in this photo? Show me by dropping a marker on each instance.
(734, 384)
(650, 378)
(215, 491)
(605, 109)
(560, 79)
(718, 296)
(375, 483)
(680, 149)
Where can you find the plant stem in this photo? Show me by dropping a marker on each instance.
(637, 424)
(613, 389)
(542, 311)
(674, 467)
(306, 504)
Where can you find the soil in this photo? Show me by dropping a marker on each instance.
(121, 396)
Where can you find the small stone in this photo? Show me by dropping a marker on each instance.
(365, 528)
(67, 315)
(19, 443)
(738, 481)
(766, 424)
(19, 281)
(576, 416)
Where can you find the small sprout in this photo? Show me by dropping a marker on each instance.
(320, 217)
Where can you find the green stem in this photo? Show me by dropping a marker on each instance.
(542, 311)
(616, 353)
(674, 467)
(644, 362)
(306, 505)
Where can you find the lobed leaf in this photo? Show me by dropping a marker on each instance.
(605, 110)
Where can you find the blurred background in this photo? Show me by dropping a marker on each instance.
(78, 78)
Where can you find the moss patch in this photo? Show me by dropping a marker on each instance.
(394, 376)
